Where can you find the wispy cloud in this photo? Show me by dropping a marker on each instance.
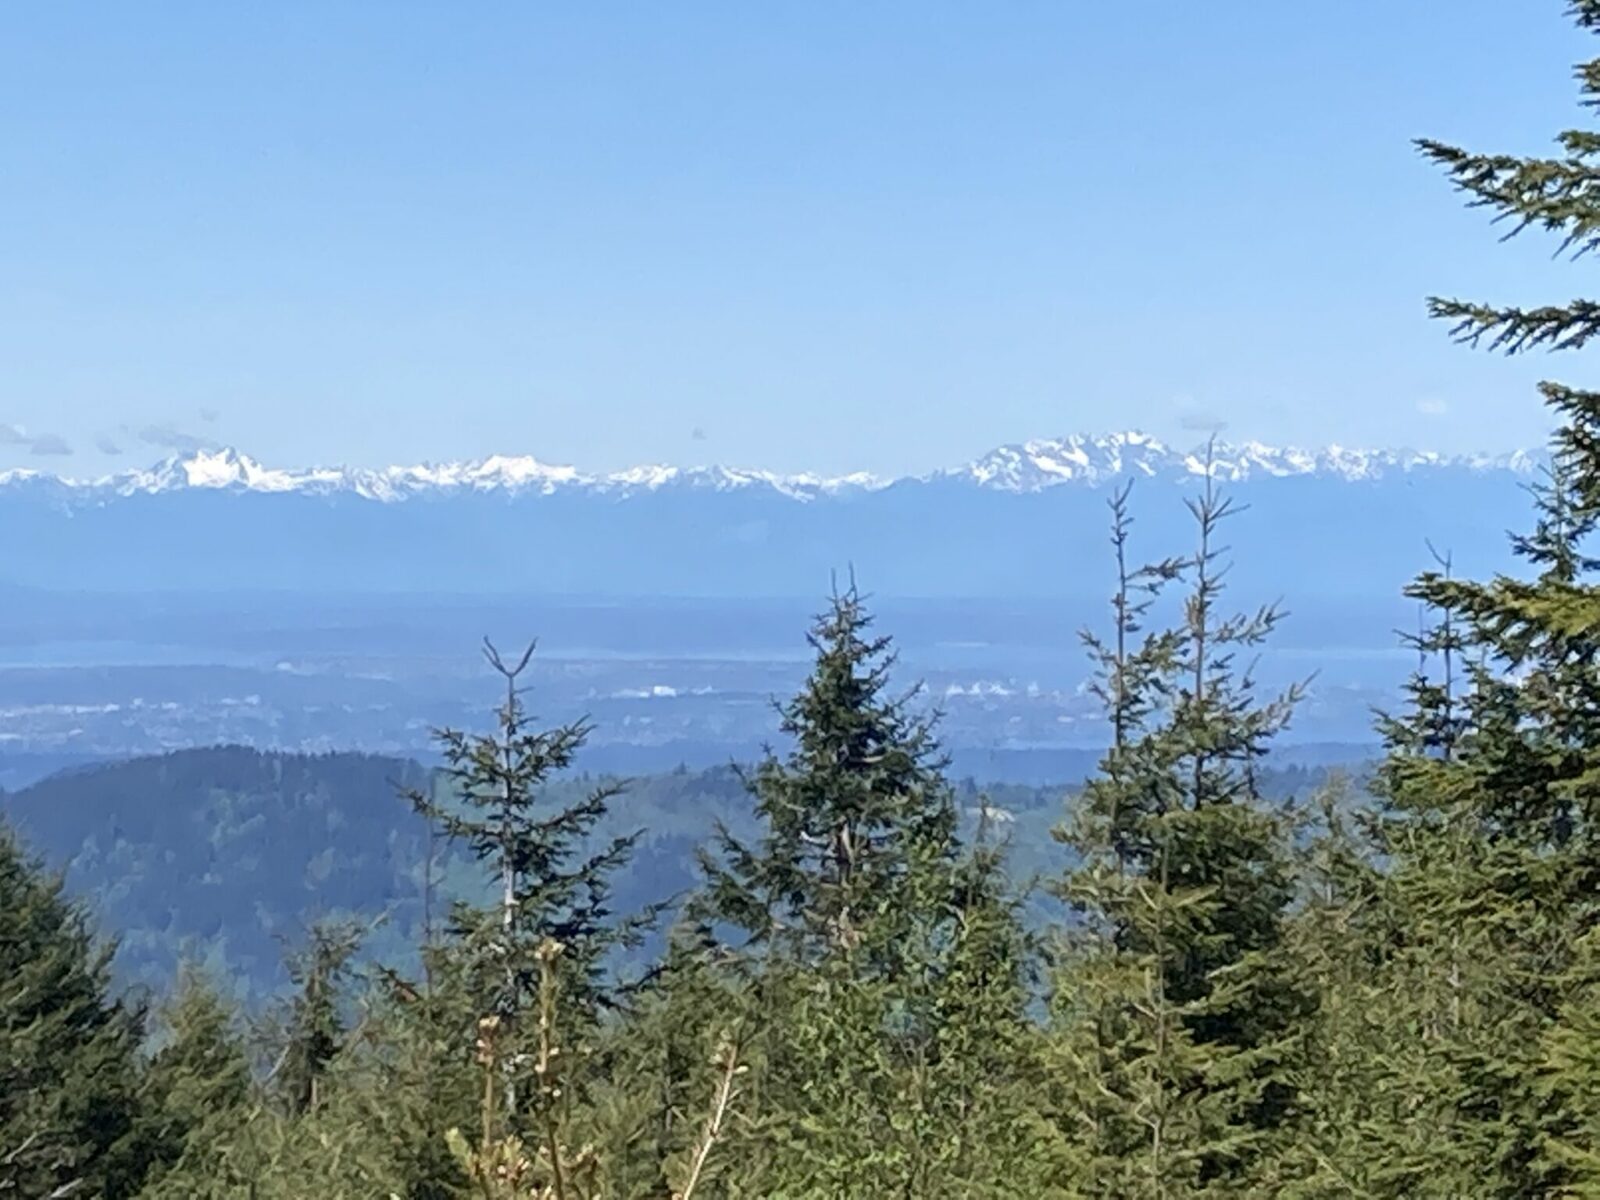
(1194, 416)
(697, 434)
(51, 444)
(1200, 421)
(209, 415)
(1432, 406)
(168, 436)
(104, 443)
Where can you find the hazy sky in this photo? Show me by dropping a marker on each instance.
(882, 236)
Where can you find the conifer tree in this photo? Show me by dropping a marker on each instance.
(199, 1097)
(1560, 195)
(413, 1075)
(69, 1103)
(1492, 824)
(1129, 681)
(1173, 1015)
(857, 808)
(1567, 1086)
(982, 1069)
(866, 931)
(1452, 1051)
(548, 883)
(551, 887)
(315, 1027)
(336, 1112)
(661, 1062)
(1331, 946)
(857, 824)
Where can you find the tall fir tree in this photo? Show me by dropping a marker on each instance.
(1492, 793)
(865, 928)
(315, 1025)
(1173, 1015)
(548, 883)
(199, 1097)
(552, 888)
(858, 807)
(70, 1110)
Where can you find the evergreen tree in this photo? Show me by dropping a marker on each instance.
(981, 1074)
(552, 890)
(662, 1061)
(1333, 946)
(1560, 195)
(315, 1026)
(420, 1078)
(866, 932)
(353, 1103)
(199, 1096)
(1453, 1053)
(69, 1103)
(1491, 793)
(1568, 1082)
(1173, 1014)
(549, 885)
(848, 818)
(857, 823)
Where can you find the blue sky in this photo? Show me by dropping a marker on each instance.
(833, 236)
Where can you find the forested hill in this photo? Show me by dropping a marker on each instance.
(216, 855)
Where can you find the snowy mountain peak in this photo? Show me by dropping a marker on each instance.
(213, 468)
(1030, 466)
(1034, 465)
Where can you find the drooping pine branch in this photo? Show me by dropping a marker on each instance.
(1560, 195)
(1517, 330)
(1585, 12)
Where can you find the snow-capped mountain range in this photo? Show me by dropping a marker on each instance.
(1032, 466)
(1021, 468)
(1024, 520)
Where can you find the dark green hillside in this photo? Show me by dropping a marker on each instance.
(215, 853)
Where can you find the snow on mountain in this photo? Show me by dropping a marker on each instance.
(660, 530)
(228, 469)
(1035, 465)
(1030, 466)
(1022, 467)
(216, 469)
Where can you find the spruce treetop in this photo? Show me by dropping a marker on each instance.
(552, 881)
(857, 805)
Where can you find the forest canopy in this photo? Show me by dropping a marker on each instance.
(1387, 986)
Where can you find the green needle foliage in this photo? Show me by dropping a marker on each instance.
(883, 963)
(198, 1096)
(1390, 991)
(1174, 1018)
(548, 883)
(852, 819)
(68, 1048)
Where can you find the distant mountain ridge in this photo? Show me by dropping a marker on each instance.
(1024, 520)
(1022, 467)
